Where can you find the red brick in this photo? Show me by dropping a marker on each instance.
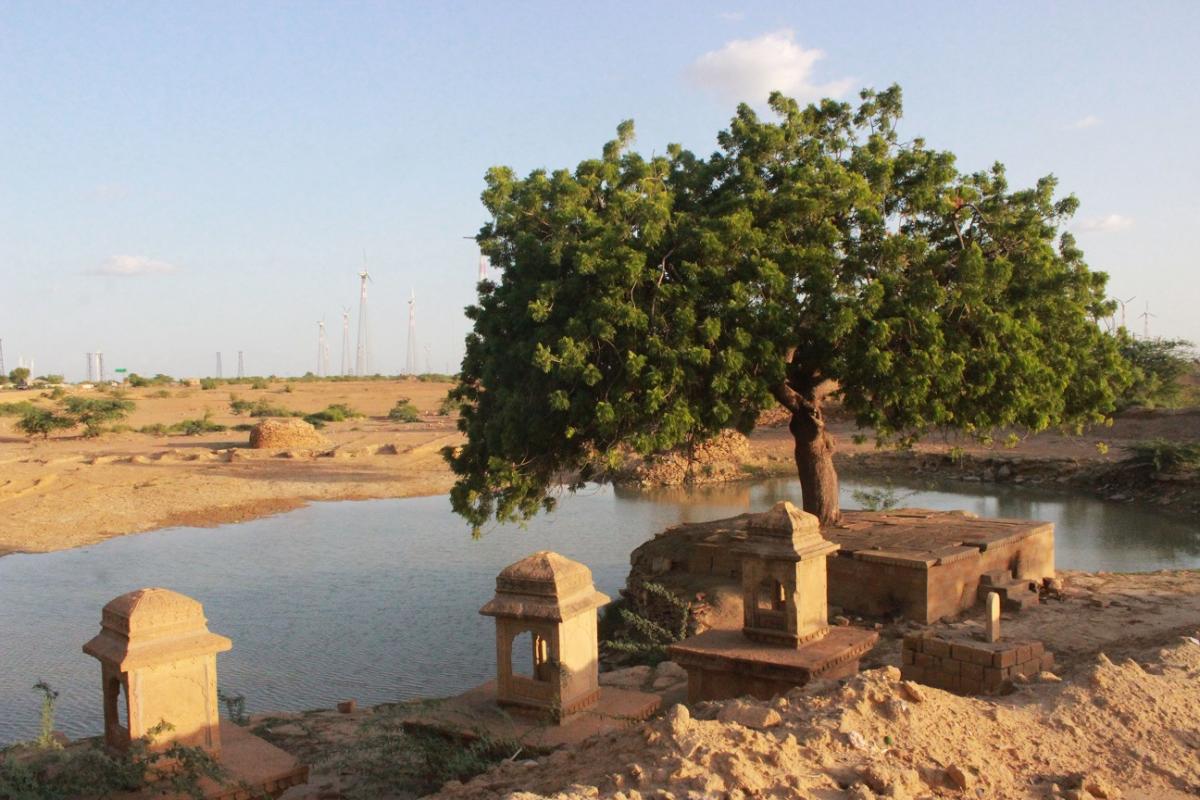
(961, 652)
(1004, 658)
(971, 686)
(972, 671)
(981, 657)
(1024, 652)
(992, 676)
(913, 641)
(937, 647)
(1037, 649)
(925, 660)
(913, 673)
(1047, 662)
(949, 667)
(908, 656)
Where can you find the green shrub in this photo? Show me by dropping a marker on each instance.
(259, 383)
(197, 427)
(242, 426)
(449, 405)
(1159, 367)
(882, 499)
(93, 412)
(404, 411)
(41, 421)
(157, 429)
(160, 393)
(338, 412)
(17, 409)
(208, 383)
(1162, 455)
(643, 639)
(51, 378)
(120, 427)
(436, 377)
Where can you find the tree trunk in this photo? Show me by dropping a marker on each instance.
(814, 463)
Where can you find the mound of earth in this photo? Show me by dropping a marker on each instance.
(1121, 730)
(275, 434)
(716, 460)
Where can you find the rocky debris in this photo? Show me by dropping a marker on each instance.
(1127, 728)
(286, 434)
(717, 460)
(628, 678)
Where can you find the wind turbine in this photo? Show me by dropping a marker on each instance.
(1146, 316)
(345, 340)
(1122, 304)
(361, 361)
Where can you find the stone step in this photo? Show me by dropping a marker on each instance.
(1015, 593)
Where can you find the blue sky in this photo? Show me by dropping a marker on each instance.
(178, 179)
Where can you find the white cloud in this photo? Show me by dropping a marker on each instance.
(750, 69)
(130, 266)
(1106, 224)
(1090, 121)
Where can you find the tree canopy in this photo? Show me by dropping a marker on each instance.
(648, 302)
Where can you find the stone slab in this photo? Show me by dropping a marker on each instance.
(724, 663)
(475, 713)
(254, 768)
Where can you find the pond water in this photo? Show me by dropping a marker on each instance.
(378, 600)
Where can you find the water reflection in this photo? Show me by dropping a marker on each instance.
(378, 600)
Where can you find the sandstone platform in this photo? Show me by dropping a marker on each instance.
(723, 664)
(921, 564)
(476, 713)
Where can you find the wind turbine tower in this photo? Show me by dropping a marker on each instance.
(100, 366)
(322, 350)
(362, 356)
(346, 341)
(410, 361)
(241, 366)
(218, 365)
(1146, 317)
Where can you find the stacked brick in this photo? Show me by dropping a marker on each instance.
(969, 666)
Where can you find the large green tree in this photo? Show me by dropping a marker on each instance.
(649, 302)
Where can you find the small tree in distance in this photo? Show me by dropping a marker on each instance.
(649, 303)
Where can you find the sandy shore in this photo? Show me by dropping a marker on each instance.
(68, 491)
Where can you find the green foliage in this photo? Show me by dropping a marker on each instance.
(1159, 366)
(644, 639)
(92, 771)
(137, 381)
(1162, 455)
(157, 429)
(259, 383)
(195, 427)
(449, 405)
(46, 738)
(19, 375)
(258, 408)
(51, 378)
(884, 498)
(646, 302)
(235, 708)
(404, 411)
(160, 394)
(17, 409)
(208, 383)
(436, 377)
(43, 422)
(57, 393)
(338, 412)
(94, 412)
(385, 759)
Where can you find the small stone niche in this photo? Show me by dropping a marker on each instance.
(552, 599)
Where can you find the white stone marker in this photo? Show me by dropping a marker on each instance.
(992, 632)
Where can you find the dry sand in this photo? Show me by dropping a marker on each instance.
(68, 491)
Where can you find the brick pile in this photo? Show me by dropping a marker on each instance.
(969, 666)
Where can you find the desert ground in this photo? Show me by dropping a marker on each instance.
(68, 491)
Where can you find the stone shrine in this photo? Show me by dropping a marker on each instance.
(785, 639)
(553, 599)
(158, 664)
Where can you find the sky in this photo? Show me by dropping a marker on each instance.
(182, 179)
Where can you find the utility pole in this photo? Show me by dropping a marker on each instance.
(100, 365)
(241, 366)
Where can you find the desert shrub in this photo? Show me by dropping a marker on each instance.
(157, 429)
(238, 406)
(93, 412)
(881, 499)
(57, 393)
(338, 412)
(1162, 455)
(263, 408)
(197, 427)
(17, 409)
(404, 411)
(448, 406)
(1159, 368)
(52, 378)
(208, 383)
(160, 394)
(242, 426)
(259, 383)
(288, 388)
(43, 422)
(120, 427)
(387, 760)
(639, 636)
(436, 377)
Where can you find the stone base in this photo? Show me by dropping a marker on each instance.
(254, 768)
(723, 663)
(969, 666)
(920, 564)
(476, 714)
